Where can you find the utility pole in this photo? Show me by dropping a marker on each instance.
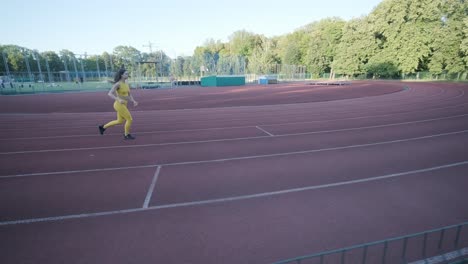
(83, 77)
(76, 69)
(26, 59)
(36, 57)
(51, 80)
(64, 59)
(150, 46)
(160, 63)
(5, 61)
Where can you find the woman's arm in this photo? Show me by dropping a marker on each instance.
(135, 103)
(130, 97)
(113, 93)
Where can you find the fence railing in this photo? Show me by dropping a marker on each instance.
(35, 82)
(417, 76)
(442, 245)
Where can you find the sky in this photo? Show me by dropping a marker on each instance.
(176, 27)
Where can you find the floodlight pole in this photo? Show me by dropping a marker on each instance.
(5, 61)
(82, 68)
(160, 65)
(105, 65)
(97, 66)
(48, 69)
(111, 63)
(150, 46)
(26, 59)
(37, 58)
(66, 68)
(76, 70)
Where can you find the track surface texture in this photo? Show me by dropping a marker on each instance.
(247, 174)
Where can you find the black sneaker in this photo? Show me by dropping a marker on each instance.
(128, 137)
(101, 130)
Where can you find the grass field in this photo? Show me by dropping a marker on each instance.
(63, 87)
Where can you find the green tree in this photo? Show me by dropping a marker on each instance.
(70, 64)
(405, 28)
(378, 67)
(357, 45)
(177, 68)
(242, 43)
(55, 64)
(263, 56)
(464, 44)
(108, 63)
(324, 37)
(15, 56)
(125, 56)
(292, 48)
(447, 48)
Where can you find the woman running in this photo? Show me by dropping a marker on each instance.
(120, 92)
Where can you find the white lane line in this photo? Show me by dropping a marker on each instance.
(263, 130)
(78, 171)
(313, 187)
(235, 139)
(133, 146)
(313, 150)
(75, 216)
(243, 157)
(140, 133)
(233, 198)
(204, 121)
(221, 109)
(151, 188)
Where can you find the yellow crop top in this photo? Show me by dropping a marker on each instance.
(123, 90)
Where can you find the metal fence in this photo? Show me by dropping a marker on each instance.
(442, 245)
(417, 76)
(53, 81)
(27, 83)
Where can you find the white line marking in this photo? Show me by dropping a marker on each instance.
(313, 150)
(233, 139)
(209, 108)
(140, 133)
(151, 188)
(233, 198)
(243, 157)
(65, 217)
(201, 121)
(132, 146)
(263, 130)
(78, 171)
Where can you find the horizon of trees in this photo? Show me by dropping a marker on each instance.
(398, 37)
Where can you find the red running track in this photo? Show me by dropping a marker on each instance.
(251, 174)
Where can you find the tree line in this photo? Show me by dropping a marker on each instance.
(399, 37)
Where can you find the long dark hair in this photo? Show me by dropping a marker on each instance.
(118, 75)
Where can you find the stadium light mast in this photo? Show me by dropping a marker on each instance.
(36, 57)
(26, 59)
(76, 69)
(51, 80)
(150, 46)
(98, 69)
(83, 77)
(64, 60)
(5, 61)
(160, 63)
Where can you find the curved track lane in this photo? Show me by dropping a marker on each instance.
(231, 175)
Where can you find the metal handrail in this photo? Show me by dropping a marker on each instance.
(385, 242)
